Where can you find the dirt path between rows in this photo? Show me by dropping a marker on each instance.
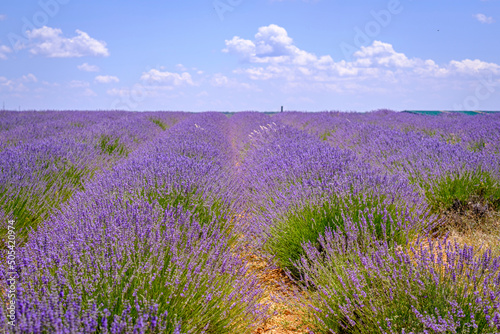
(286, 315)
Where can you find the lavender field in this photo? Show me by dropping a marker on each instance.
(174, 222)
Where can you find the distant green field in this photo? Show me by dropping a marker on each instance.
(440, 112)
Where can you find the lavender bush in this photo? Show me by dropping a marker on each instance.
(300, 186)
(43, 167)
(452, 160)
(433, 287)
(145, 247)
(135, 270)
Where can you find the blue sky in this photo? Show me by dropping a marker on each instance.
(231, 55)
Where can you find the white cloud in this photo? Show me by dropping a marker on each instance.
(106, 79)
(3, 51)
(483, 18)
(273, 41)
(88, 68)
(272, 55)
(13, 86)
(50, 43)
(472, 67)
(382, 54)
(78, 84)
(220, 80)
(81, 88)
(29, 78)
(89, 92)
(122, 92)
(50, 84)
(139, 90)
(271, 45)
(3, 17)
(242, 47)
(17, 85)
(155, 76)
(202, 94)
(181, 67)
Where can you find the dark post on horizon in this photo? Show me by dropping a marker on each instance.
(281, 108)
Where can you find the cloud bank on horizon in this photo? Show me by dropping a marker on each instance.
(49, 67)
(273, 55)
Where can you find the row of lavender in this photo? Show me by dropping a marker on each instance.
(351, 129)
(347, 210)
(451, 158)
(147, 246)
(46, 156)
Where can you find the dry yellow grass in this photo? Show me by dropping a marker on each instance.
(482, 232)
